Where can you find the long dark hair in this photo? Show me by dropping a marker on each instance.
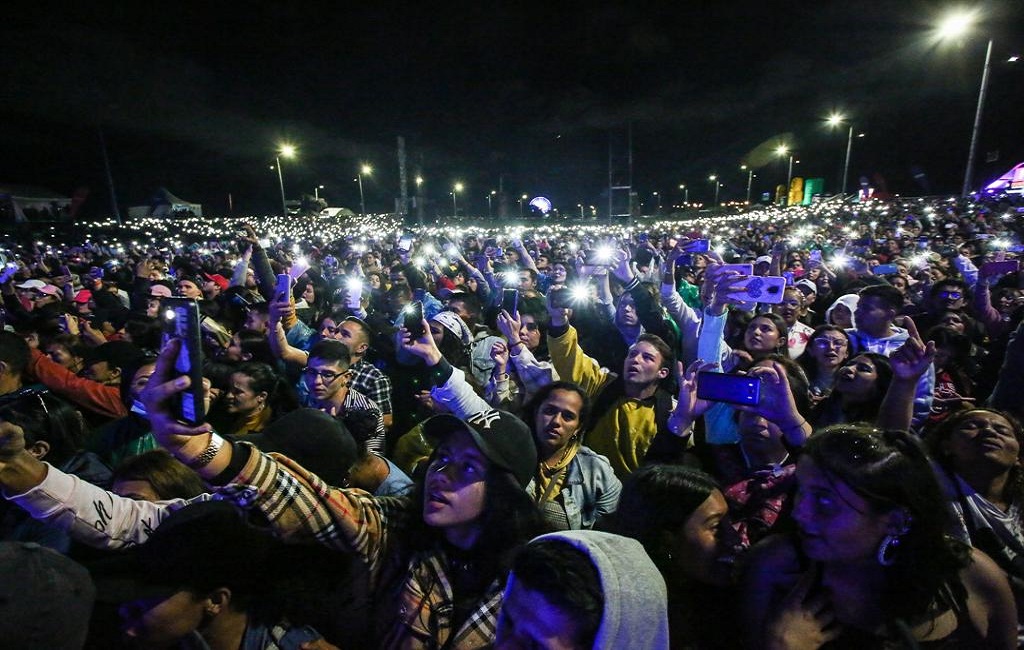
(281, 397)
(47, 418)
(890, 471)
(806, 360)
(779, 324)
(866, 411)
(533, 405)
(655, 504)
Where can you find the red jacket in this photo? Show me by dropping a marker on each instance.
(89, 394)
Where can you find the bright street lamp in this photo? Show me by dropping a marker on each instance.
(580, 206)
(658, 199)
(834, 120)
(283, 151)
(686, 193)
(521, 199)
(714, 179)
(782, 151)
(956, 25)
(367, 170)
(316, 191)
(489, 197)
(455, 204)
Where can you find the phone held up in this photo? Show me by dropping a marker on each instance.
(768, 289)
(181, 321)
(510, 301)
(413, 319)
(729, 388)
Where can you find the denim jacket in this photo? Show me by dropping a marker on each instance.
(591, 489)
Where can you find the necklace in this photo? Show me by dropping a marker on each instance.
(565, 452)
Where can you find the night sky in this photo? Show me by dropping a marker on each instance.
(194, 97)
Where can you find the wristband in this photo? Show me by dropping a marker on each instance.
(205, 458)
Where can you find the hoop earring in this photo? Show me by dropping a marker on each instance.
(887, 550)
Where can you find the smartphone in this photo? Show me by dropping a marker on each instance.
(742, 269)
(757, 288)
(561, 298)
(885, 269)
(510, 301)
(284, 286)
(730, 388)
(180, 318)
(988, 269)
(598, 257)
(62, 322)
(815, 256)
(1016, 248)
(413, 319)
(296, 637)
(789, 276)
(405, 244)
(698, 246)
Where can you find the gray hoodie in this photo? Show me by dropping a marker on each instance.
(635, 599)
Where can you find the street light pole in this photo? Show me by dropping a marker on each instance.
(714, 179)
(455, 203)
(657, 196)
(489, 211)
(363, 169)
(686, 193)
(750, 180)
(971, 153)
(580, 206)
(521, 199)
(280, 181)
(316, 191)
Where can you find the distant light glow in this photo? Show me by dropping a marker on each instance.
(956, 24)
(542, 204)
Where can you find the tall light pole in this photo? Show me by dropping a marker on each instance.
(489, 197)
(283, 151)
(834, 120)
(521, 199)
(455, 203)
(316, 191)
(367, 170)
(580, 206)
(657, 197)
(686, 193)
(782, 151)
(750, 180)
(714, 179)
(954, 26)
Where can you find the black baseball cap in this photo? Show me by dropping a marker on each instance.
(503, 438)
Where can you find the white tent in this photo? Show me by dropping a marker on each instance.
(1012, 182)
(165, 204)
(24, 204)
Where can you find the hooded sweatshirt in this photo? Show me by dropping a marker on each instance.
(635, 599)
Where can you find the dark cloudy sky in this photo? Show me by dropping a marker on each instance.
(194, 96)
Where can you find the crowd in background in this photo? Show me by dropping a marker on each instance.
(458, 437)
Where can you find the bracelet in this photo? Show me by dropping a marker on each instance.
(205, 458)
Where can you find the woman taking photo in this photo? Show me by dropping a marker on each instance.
(872, 565)
(521, 364)
(572, 485)
(438, 560)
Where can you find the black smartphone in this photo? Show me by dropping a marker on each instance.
(510, 301)
(180, 317)
(284, 285)
(561, 298)
(413, 319)
(729, 388)
(698, 246)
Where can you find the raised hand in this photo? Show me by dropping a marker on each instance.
(912, 359)
(162, 386)
(803, 621)
(422, 347)
(509, 326)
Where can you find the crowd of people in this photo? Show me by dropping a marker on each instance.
(465, 438)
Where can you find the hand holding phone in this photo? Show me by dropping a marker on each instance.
(180, 318)
(510, 301)
(768, 289)
(284, 287)
(729, 388)
(412, 320)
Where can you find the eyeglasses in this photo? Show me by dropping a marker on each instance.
(954, 295)
(326, 375)
(824, 342)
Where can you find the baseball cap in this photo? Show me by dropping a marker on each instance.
(45, 598)
(320, 443)
(503, 438)
(31, 284)
(763, 259)
(160, 291)
(49, 290)
(807, 287)
(217, 279)
(83, 296)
